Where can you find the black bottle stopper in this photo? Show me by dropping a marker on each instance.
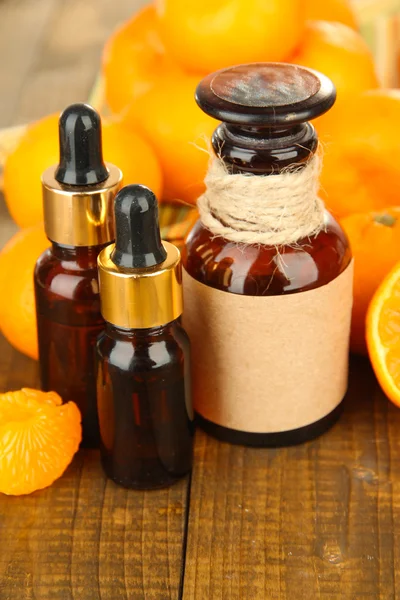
(265, 94)
(265, 109)
(81, 155)
(137, 232)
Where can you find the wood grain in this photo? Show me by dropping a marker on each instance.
(19, 43)
(312, 521)
(50, 52)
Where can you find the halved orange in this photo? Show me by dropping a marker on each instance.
(383, 334)
(38, 439)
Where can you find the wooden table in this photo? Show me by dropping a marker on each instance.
(319, 520)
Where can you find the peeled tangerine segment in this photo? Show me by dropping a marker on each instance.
(38, 439)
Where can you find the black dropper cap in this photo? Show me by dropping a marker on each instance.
(81, 154)
(137, 231)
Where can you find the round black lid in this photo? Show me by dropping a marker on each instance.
(265, 94)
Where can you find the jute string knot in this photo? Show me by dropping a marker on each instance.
(268, 209)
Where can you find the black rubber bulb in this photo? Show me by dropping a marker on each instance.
(81, 154)
(137, 230)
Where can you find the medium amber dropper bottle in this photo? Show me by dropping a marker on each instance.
(143, 381)
(265, 110)
(78, 216)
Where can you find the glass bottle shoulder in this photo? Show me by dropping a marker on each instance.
(68, 274)
(146, 349)
(258, 270)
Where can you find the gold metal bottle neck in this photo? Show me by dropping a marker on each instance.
(80, 216)
(141, 298)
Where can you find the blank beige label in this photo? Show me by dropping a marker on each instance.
(271, 363)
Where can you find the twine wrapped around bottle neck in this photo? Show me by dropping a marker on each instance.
(273, 210)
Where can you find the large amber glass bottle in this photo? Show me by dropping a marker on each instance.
(265, 109)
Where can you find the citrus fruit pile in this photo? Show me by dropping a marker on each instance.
(151, 66)
(154, 131)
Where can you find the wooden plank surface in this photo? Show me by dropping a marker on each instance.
(84, 537)
(50, 52)
(19, 45)
(319, 520)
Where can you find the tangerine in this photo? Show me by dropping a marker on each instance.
(131, 153)
(331, 10)
(204, 35)
(375, 243)
(176, 127)
(339, 52)
(361, 171)
(38, 439)
(134, 57)
(17, 305)
(38, 149)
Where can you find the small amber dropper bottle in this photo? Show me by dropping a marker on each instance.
(143, 381)
(77, 200)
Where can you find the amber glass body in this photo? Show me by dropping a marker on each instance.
(69, 322)
(144, 405)
(258, 270)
